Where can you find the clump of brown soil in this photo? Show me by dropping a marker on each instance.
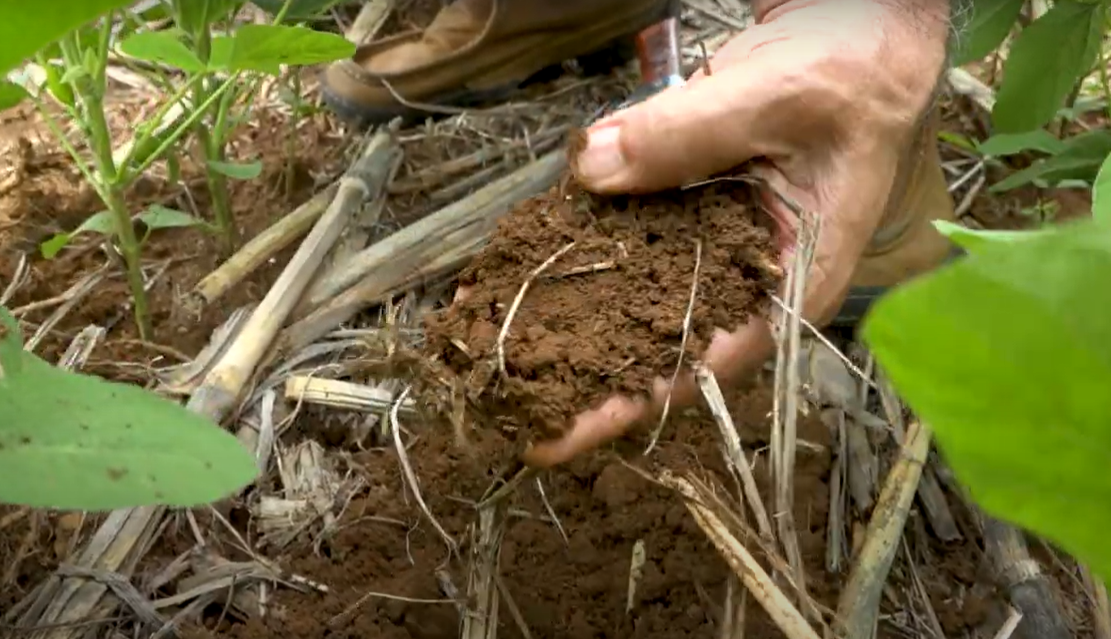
(607, 315)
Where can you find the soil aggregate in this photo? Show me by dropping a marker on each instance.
(608, 315)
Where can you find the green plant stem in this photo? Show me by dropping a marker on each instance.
(89, 90)
(212, 149)
(1104, 81)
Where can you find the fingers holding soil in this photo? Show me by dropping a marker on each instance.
(607, 317)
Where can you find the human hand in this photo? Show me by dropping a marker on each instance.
(827, 96)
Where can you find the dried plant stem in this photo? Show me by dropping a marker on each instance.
(223, 385)
(858, 607)
(682, 346)
(714, 398)
(407, 469)
(517, 303)
(263, 246)
(482, 621)
(744, 565)
(785, 407)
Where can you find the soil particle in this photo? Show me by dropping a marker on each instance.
(607, 316)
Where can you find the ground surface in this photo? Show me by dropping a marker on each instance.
(387, 571)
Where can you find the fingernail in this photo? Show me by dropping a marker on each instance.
(601, 159)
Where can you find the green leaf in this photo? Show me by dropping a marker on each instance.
(263, 48)
(237, 171)
(11, 94)
(299, 10)
(165, 47)
(101, 222)
(27, 27)
(985, 29)
(11, 346)
(161, 217)
(958, 140)
(973, 240)
(61, 91)
(1080, 159)
(1006, 354)
(1101, 192)
(1015, 143)
(51, 247)
(93, 445)
(1047, 59)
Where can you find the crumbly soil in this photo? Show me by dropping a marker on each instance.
(609, 314)
(578, 587)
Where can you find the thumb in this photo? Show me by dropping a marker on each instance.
(685, 133)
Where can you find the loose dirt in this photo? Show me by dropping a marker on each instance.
(609, 312)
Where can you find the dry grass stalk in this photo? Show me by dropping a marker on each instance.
(733, 451)
(636, 573)
(372, 15)
(788, 336)
(310, 487)
(183, 379)
(1027, 587)
(936, 506)
(407, 469)
(341, 394)
(264, 246)
(785, 615)
(1009, 626)
(224, 384)
(433, 247)
(481, 622)
(473, 216)
(682, 346)
(504, 332)
(836, 538)
(858, 607)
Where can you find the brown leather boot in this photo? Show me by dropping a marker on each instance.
(476, 50)
(906, 244)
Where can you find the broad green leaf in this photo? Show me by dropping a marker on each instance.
(299, 10)
(235, 170)
(1007, 356)
(1047, 59)
(161, 217)
(972, 240)
(165, 47)
(1080, 159)
(27, 27)
(73, 441)
(263, 48)
(1101, 193)
(1015, 143)
(51, 247)
(989, 23)
(11, 94)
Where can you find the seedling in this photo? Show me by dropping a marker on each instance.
(214, 76)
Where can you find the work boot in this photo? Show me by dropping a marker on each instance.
(477, 50)
(906, 243)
